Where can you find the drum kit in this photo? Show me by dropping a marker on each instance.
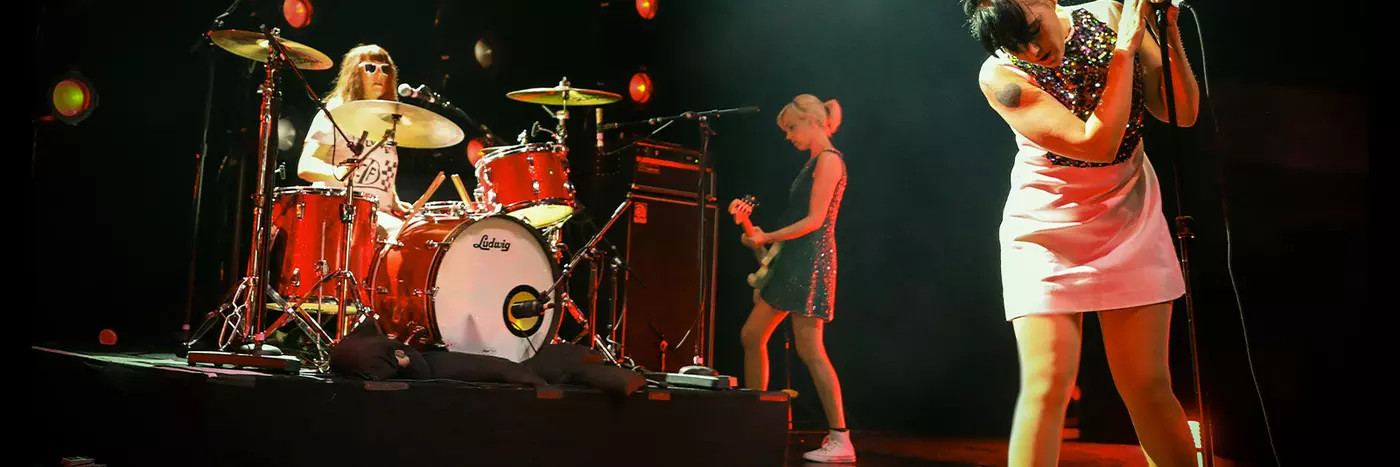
(479, 275)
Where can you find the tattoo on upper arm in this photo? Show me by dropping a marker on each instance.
(1009, 95)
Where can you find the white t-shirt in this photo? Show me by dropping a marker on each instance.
(375, 176)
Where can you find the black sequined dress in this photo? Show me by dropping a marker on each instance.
(802, 277)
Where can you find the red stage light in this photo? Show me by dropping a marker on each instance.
(646, 8)
(640, 88)
(297, 12)
(107, 337)
(474, 148)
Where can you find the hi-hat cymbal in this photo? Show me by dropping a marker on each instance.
(417, 127)
(254, 46)
(562, 95)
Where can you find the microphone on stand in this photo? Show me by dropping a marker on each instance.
(422, 92)
(531, 308)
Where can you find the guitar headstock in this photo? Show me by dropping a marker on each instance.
(741, 208)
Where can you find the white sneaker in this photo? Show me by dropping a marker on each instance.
(835, 448)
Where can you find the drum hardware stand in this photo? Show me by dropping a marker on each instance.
(248, 315)
(347, 282)
(347, 279)
(560, 132)
(586, 252)
(204, 41)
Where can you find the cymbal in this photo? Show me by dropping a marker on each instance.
(417, 127)
(558, 95)
(253, 46)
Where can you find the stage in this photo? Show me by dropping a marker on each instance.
(154, 409)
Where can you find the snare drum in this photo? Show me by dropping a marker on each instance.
(450, 283)
(444, 209)
(529, 182)
(311, 239)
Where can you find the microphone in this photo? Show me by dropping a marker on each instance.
(531, 308)
(422, 92)
(534, 129)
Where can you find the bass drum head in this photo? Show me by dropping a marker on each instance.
(488, 265)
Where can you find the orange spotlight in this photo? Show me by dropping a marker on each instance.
(646, 8)
(297, 12)
(640, 88)
(73, 98)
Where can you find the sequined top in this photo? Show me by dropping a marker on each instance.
(802, 277)
(1079, 81)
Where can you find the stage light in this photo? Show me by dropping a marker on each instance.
(646, 8)
(286, 134)
(73, 98)
(483, 53)
(107, 337)
(297, 13)
(640, 88)
(474, 148)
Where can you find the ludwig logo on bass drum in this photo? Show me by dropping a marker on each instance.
(488, 243)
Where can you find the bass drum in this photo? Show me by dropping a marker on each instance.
(449, 282)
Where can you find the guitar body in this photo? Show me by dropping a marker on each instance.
(765, 255)
(741, 209)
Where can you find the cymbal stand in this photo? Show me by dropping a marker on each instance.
(245, 317)
(560, 132)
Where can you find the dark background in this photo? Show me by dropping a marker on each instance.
(920, 342)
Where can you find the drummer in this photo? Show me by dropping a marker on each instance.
(366, 72)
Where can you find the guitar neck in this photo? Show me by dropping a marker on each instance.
(747, 225)
(759, 250)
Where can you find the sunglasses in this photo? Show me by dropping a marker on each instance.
(372, 68)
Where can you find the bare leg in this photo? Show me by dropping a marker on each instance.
(1135, 341)
(1048, 347)
(759, 327)
(812, 351)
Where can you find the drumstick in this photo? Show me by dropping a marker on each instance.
(427, 194)
(461, 190)
(466, 195)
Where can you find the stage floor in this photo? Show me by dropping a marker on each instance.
(154, 409)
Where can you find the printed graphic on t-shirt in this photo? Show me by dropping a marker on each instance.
(376, 173)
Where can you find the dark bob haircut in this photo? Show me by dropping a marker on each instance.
(1000, 24)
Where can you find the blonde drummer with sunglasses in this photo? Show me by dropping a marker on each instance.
(366, 72)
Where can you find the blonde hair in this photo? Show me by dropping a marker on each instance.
(349, 84)
(806, 107)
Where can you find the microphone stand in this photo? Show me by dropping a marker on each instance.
(202, 44)
(568, 269)
(1184, 232)
(702, 197)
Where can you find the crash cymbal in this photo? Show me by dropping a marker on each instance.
(417, 127)
(253, 46)
(560, 95)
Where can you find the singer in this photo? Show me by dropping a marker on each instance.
(802, 277)
(366, 72)
(1082, 229)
